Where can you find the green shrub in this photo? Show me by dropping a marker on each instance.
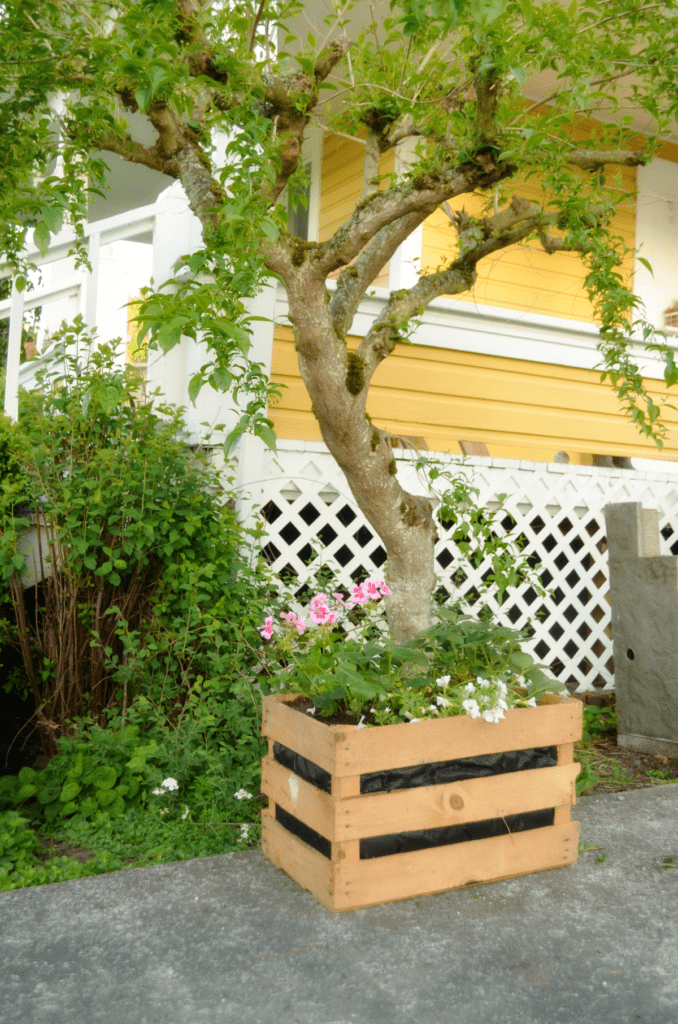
(151, 577)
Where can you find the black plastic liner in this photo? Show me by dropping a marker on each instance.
(407, 842)
(302, 767)
(423, 774)
(309, 835)
(424, 839)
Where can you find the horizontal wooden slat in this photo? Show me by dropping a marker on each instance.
(305, 865)
(300, 733)
(398, 746)
(454, 803)
(348, 750)
(404, 875)
(298, 797)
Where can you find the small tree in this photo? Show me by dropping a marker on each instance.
(446, 83)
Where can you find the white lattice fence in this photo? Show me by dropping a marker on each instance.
(311, 516)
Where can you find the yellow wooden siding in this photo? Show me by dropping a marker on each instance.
(519, 409)
(342, 185)
(524, 276)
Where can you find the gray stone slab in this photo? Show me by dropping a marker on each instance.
(232, 939)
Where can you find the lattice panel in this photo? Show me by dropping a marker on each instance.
(559, 511)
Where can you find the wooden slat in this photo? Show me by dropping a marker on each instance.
(298, 797)
(300, 733)
(347, 750)
(305, 865)
(404, 875)
(453, 803)
(359, 751)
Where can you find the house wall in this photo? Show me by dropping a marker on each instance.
(341, 187)
(521, 409)
(457, 382)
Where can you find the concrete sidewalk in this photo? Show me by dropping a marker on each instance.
(231, 939)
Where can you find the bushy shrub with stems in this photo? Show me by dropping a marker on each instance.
(142, 652)
(141, 540)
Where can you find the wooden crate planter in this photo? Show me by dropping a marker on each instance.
(340, 819)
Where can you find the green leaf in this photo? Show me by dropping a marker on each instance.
(645, 263)
(105, 776)
(195, 387)
(70, 791)
(41, 237)
(53, 217)
(221, 378)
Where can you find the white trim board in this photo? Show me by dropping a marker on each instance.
(491, 330)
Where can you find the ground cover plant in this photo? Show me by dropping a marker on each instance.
(141, 654)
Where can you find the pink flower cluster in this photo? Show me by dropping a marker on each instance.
(320, 612)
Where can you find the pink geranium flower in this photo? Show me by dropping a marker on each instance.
(295, 620)
(359, 595)
(267, 629)
(320, 611)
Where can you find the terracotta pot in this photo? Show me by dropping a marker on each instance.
(330, 854)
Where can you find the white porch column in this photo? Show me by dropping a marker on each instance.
(406, 261)
(177, 232)
(16, 319)
(251, 450)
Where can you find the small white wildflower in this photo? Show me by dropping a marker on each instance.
(415, 720)
(361, 723)
(410, 717)
(470, 688)
(244, 832)
(471, 708)
(531, 703)
(387, 711)
(442, 702)
(434, 708)
(502, 686)
(502, 704)
(170, 784)
(159, 792)
(442, 681)
(186, 812)
(483, 683)
(493, 715)
(164, 810)
(242, 794)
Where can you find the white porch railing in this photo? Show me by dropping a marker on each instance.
(558, 510)
(81, 287)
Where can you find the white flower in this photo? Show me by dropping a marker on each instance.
(470, 688)
(471, 708)
(310, 711)
(244, 832)
(242, 794)
(170, 784)
(502, 704)
(361, 723)
(410, 717)
(442, 702)
(387, 711)
(186, 812)
(443, 681)
(433, 707)
(493, 715)
(531, 703)
(502, 686)
(159, 792)
(164, 810)
(483, 683)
